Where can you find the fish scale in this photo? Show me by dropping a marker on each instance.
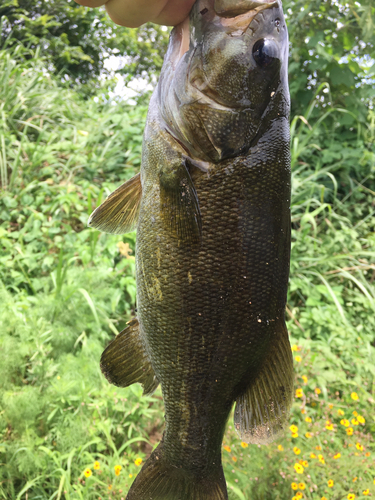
(212, 210)
(220, 264)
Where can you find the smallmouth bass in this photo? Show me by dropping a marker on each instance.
(211, 205)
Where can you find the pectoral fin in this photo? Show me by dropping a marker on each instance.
(119, 213)
(125, 361)
(262, 411)
(179, 202)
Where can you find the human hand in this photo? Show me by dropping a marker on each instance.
(133, 13)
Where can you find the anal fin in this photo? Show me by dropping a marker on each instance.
(125, 360)
(118, 214)
(262, 411)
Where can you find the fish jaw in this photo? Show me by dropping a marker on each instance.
(234, 8)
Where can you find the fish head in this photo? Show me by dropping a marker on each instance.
(242, 52)
(226, 66)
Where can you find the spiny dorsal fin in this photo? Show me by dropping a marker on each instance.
(125, 361)
(118, 214)
(262, 411)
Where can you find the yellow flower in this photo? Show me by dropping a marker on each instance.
(355, 421)
(304, 463)
(234, 459)
(138, 461)
(318, 447)
(293, 429)
(329, 426)
(304, 378)
(355, 413)
(340, 412)
(299, 393)
(354, 396)
(330, 483)
(359, 446)
(351, 496)
(308, 419)
(294, 486)
(367, 454)
(295, 498)
(244, 445)
(299, 495)
(280, 447)
(109, 486)
(130, 476)
(324, 498)
(295, 435)
(88, 472)
(298, 359)
(355, 479)
(117, 469)
(312, 455)
(338, 455)
(321, 459)
(345, 422)
(308, 435)
(96, 465)
(301, 486)
(303, 411)
(361, 419)
(349, 431)
(317, 391)
(366, 492)
(296, 450)
(227, 448)
(295, 348)
(298, 468)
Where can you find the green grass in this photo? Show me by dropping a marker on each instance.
(65, 290)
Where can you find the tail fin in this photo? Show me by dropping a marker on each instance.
(159, 480)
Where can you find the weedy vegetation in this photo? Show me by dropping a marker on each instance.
(66, 290)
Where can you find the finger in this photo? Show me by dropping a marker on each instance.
(91, 3)
(132, 13)
(174, 12)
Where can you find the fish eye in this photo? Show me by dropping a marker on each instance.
(265, 52)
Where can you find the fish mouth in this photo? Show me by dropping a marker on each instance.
(233, 14)
(237, 15)
(234, 8)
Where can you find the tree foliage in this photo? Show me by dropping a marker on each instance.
(332, 42)
(76, 40)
